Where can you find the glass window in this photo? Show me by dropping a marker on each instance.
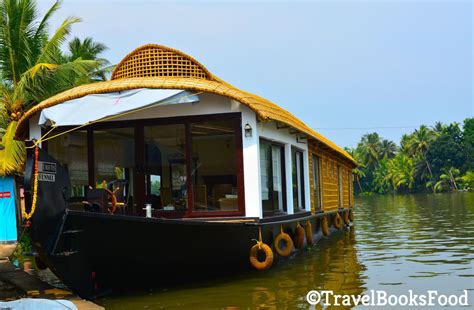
(272, 177)
(316, 183)
(214, 173)
(298, 179)
(71, 151)
(165, 167)
(114, 160)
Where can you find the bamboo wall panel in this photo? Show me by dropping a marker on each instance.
(351, 188)
(328, 176)
(311, 182)
(346, 176)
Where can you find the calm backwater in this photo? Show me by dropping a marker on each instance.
(401, 242)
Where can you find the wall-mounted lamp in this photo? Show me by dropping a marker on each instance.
(248, 130)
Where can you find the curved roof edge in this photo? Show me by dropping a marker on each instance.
(265, 109)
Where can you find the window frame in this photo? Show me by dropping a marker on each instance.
(283, 177)
(302, 188)
(140, 182)
(317, 182)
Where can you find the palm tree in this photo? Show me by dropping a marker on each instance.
(404, 143)
(32, 68)
(387, 149)
(419, 144)
(400, 171)
(381, 181)
(421, 171)
(89, 50)
(369, 148)
(420, 140)
(358, 171)
(448, 180)
(438, 128)
(468, 180)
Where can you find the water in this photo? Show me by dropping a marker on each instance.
(399, 243)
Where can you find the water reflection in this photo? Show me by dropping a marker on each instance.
(417, 242)
(331, 265)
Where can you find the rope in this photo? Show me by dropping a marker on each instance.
(43, 138)
(259, 241)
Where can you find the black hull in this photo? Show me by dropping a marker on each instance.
(93, 253)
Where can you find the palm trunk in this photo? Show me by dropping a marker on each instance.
(453, 180)
(429, 170)
(360, 186)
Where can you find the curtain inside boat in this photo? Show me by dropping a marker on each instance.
(98, 106)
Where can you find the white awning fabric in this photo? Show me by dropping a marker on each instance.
(95, 107)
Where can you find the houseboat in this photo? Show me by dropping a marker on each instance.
(167, 169)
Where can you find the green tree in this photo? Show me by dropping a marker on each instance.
(405, 143)
(32, 68)
(427, 157)
(448, 180)
(468, 180)
(438, 128)
(447, 150)
(468, 141)
(400, 172)
(387, 149)
(381, 181)
(358, 171)
(369, 149)
(419, 145)
(89, 50)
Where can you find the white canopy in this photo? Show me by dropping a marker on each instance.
(95, 107)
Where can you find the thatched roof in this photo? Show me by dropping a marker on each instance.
(157, 66)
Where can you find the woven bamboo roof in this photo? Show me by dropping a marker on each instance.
(160, 67)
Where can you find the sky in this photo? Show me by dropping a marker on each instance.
(345, 68)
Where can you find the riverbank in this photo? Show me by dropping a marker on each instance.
(16, 284)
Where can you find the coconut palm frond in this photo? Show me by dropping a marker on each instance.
(12, 152)
(89, 50)
(17, 30)
(50, 80)
(86, 49)
(31, 73)
(102, 73)
(49, 51)
(43, 25)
